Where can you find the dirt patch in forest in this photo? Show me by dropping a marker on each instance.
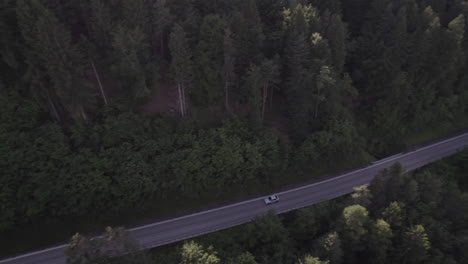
(162, 100)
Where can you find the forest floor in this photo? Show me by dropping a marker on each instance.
(163, 100)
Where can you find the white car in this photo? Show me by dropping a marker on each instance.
(271, 199)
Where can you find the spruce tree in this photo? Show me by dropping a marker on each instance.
(101, 24)
(229, 75)
(130, 52)
(52, 54)
(161, 19)
(336, 35)
(209, 61)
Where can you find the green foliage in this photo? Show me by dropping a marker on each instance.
(394, 214)
(244, 258)
(161, 21)
(130, 49)
(358, 234)
(83, 250)
(312, 260)
(209, 60)
(336, 34)
(380, 241)
(9, 53)
(268, 238)
(332, 248)
(415, 245)
(228, 74)
(310, 222)
(338, 81)
(100, 23)
(56, 65)
(192, 253)
(362, 196)
(407, 59)
(181, 66)
(120, 163)
(103, 250)
(339, 141)
(356, 219)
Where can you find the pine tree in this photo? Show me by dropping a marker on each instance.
(90, 50)
(249, 37)
(324, 82)
(136, 14)
(10, 64)
(244, 258)
(270, 78)
(8, 44)
(101, 24)
(260, 81)
(334, 6)
(131, 51)
(229, 75)
(415, 245)
(53, 54)
(271, 13)
(253, 81)
(161, 19)
(336, 35)
(299, 85)
(355, 13)
(209, 61)
(379, 241)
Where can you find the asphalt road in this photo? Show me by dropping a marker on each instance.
(189, 226)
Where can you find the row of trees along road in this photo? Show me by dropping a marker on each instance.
(398, 218)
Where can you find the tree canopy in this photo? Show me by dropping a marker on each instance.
(124, 106)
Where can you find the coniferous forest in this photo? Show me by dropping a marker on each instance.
(113, 108)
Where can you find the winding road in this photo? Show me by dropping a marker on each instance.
(166, 232)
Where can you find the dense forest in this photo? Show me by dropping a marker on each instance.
(400, 217)
(110, 105)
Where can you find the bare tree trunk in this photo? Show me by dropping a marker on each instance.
(271, 99)
(83, 114)
(96, 74)
(226, 96)
(184, 101)
(317, 103)
(264, 99)
(161, 44)
(181, 107)
(52, 106)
